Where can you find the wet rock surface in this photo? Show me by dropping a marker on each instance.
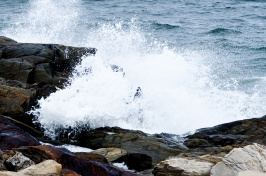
(11, 136)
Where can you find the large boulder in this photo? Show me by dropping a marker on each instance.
(11, 136)
(251, 157)
(186, 166)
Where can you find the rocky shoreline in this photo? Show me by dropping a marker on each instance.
(29, 72)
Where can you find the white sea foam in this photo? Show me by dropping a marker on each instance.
(179, 92)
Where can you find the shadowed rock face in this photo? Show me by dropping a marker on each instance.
(12, 136)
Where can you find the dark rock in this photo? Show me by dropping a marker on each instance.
(42, 73)
(23, 57)
(15, 69)
(136, 161)
(12, 136)
(68, 172)
(44, 89)
(238, 133)
(92, 157)
(88, 168)
(69, 161)
(130, 140)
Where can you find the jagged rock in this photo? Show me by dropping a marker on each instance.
(111, 154)
(92, 157)
(129, 140)
(136, 161)
(179, 166)
(18, 162)
(45, 168)
(251, 157)
(69, 161)
(12, 136)
(14, 100)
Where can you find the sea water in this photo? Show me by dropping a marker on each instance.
(183, 65)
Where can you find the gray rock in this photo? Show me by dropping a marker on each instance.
(18, 162)
(42, 73)
(251, 157)
(15, 69)
(178, 166)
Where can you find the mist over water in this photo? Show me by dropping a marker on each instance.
(181, 88)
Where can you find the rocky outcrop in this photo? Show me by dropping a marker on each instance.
(251, 157)
(129, 140)
(236, 134)
(30, 71)
(12, 136)
(29, 63)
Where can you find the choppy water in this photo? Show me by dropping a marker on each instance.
(198, 63)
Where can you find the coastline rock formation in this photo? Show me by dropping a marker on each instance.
(29, 71)
(32, 71)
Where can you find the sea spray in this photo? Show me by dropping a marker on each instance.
(158, 88)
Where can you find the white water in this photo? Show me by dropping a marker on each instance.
(179, 92)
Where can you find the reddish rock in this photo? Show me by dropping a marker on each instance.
(70, 161)
(12, 136)
(92, 157)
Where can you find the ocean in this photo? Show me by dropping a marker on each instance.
(183, 64)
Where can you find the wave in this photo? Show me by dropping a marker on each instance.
(159, 90)
(224, 31)
(165, 26)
